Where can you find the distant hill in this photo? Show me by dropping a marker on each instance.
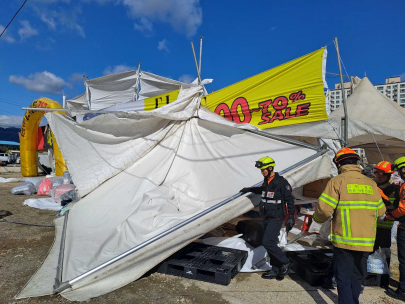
(10, 134)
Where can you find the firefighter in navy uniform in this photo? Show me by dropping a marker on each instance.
(276, 200)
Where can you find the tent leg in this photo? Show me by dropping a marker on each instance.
(59, 268)
(66, 285)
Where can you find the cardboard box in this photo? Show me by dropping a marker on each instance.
(315, 188)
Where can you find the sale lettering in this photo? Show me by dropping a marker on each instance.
(279, 108)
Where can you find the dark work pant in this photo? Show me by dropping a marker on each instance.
(401, 256)
(383, 240)
(350, 269)
(270, 240)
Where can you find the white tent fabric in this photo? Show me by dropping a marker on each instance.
(369, 112)
(110, 144)
(150, 171)
(118, 92)
(112, 89)
(78, 103)
(152, 85)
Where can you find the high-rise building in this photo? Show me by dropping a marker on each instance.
(393, 88)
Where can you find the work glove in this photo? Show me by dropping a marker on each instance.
(389, 217)
(289, 224)
(245, 190)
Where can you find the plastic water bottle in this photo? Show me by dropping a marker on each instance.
(66, 178)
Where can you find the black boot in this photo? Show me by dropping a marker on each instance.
(271, 274)
(284, 269)
(396, 294)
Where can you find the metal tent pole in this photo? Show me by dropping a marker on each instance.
(137, 82)
(68, 284)
(196, 64)
(287, 140)
(59, 268)
(199, 67)
(346, 128)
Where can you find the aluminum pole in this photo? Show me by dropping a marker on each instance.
(137, 81)
(59, 268)
(345, 135)
(199, 67)
(287, 140)
(196, 64)
(68, 284)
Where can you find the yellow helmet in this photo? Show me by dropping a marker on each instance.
(265, 162)
(399, 163)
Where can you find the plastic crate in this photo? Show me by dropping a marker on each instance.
(374, 279)
(313, 266)
(205, 263)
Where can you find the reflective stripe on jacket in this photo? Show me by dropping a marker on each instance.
(355, 202)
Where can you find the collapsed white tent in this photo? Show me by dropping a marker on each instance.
(168, 172)
(124, 91)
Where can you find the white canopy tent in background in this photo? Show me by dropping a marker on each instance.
(373, 118)
(141, 174)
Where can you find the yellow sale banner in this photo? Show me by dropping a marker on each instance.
(159, 101)
(291, 93)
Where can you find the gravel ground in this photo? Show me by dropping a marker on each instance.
(23, 248)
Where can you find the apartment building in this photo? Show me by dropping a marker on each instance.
(393, 88)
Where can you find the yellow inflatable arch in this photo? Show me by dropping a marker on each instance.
(29, 138)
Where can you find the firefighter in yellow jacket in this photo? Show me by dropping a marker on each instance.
(355, 202)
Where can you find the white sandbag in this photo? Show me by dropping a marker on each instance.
(26, 188)
(34, 180)
(42, 203)
(394, 231)
(57, 192)
(377, 263)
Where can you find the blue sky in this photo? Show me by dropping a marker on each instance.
(52, 43)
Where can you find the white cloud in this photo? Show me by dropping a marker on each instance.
(118, 69)
(26, 31)
(144, 26)
(61, 18)
(184, 15)
(273, 28)
(8, 38)
(11, 121)
(186, 78)
(163, 46)
(44, 82)
(77, 78)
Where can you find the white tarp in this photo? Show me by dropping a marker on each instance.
(112, 89)
(153, 85)
(43, 203)
(153, 170)
(78, 103)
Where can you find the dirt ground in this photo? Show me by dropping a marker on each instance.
(23, 248)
